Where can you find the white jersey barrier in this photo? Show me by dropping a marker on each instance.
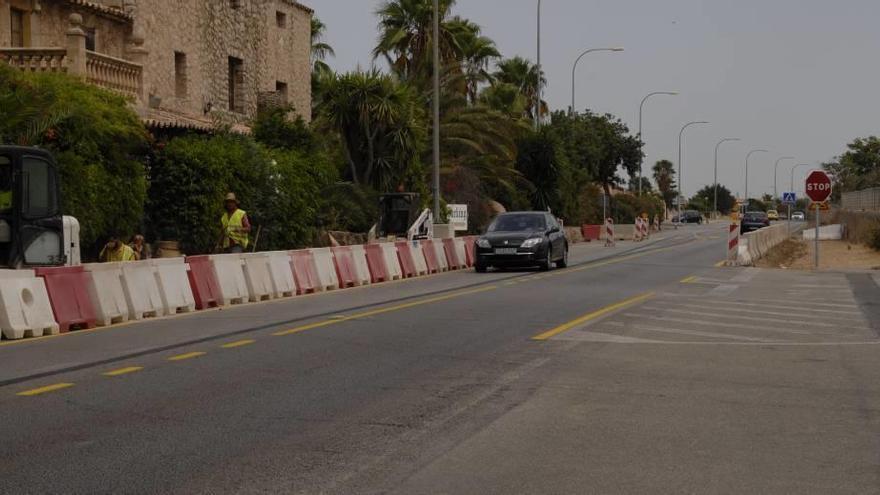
(362, 268)
(440, 253)
(230, 276)
(758, 243)
(174, 287)
(141, 290)
(326, 268)
(107, 293)
(392, 262)
(257, 276)
(418, 254)
(283, 283)
(461, 251)
(25, 310)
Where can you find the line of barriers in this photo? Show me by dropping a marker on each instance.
(48, 301)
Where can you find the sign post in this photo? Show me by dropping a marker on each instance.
(789, 198)
(818, 189)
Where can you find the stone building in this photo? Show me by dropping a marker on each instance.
(183, 63)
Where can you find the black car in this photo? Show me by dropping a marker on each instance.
(522, 239)
(689, 216)
(754, 220)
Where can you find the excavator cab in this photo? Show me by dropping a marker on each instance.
(31, 223)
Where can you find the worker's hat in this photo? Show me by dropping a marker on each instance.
(231, 197)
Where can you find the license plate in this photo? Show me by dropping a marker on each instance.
(505, 250)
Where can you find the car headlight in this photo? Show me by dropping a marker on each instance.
(534, 241)
(484, 243)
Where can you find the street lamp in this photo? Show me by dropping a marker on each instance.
(792, 173)
(436, 137)
(747, 173)
(538, 104)
(680, 179)
(775, 171)
(641, 142)
(574, 69)
(715, 183)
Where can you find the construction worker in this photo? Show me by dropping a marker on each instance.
(236, 226)
(116, 250)
(141, 248)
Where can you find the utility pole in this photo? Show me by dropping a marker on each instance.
(436, 185)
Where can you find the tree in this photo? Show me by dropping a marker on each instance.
(664, 175)
(706, 196)
(859, 167)
(633, 185)
(523, 75)
(381, 123)
(476, 52)
(320, 50)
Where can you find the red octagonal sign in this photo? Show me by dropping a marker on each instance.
(818, 186)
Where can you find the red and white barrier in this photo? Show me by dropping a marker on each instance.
(106, 292)
(326, 268)
(68, 291)
(609, 233)
(25, 310)
(430, 254)
(229, 270)
(452, 259)
(305, 272)
(392, 261)
(377, 264)
(733, 244)
(346, 272)
(418, 254)
(281, 271)
(257, 276)
(407, 262)
(203, 281)
(174, 287)
(461, 251)
(141, 290)
(362, 269)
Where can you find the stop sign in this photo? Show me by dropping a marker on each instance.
(818, 186)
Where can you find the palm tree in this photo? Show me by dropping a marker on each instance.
(664, 175)
(477, 52)
(523, 75)
(320, 49)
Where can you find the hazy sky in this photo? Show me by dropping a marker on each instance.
(796, 77)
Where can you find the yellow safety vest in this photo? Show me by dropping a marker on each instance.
(233, 229)
(122, 253)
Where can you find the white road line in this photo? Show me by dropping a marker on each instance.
(746, 276)
(711, 324)
(763, 319)
(697, 333)
(763, 312)
(789, 301)
(723, 290)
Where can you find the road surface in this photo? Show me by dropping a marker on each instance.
(643, 368)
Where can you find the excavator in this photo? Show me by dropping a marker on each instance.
(33, 230)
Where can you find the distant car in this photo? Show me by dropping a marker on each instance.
(754, 220)
(522, 239)
(798, 215)
(772, 215)
(689, 216)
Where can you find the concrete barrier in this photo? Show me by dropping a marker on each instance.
(756, 244)
(257, 276)
(326, 268)
(362, 269)
(106, 292)
(229, 270)
(174, 287)
(281, 272)
(25, 310)
(141, 290)
(69, 295)
(826, 233)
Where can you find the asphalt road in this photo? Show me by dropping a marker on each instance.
(640, 369)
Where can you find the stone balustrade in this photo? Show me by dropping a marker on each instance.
(114, 74)
(35, 59)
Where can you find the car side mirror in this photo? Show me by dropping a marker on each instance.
(553, 230)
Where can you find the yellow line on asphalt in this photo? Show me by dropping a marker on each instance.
(123, 371)
(240, 343)
(44, 390)
(592, 316)
(188, 355)
(367, 314)
(689, 280)
(720, 264)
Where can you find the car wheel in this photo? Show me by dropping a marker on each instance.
(563, 263)
(480, 267)
(548, 263)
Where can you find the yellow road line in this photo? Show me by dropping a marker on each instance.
(240, 343)
(720, 264)
(188, 355)
(123, 371)
(592, 316)
(689, 280)
(367, 314)
(44, 390)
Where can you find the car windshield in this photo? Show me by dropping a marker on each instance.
(755, 216)
(518, 223)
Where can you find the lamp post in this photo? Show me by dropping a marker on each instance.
(715, 183)
(775, 173)
(574, 69)
(747, 173)
(680, 179)
(538, 104)
(641, 142)
(436, 137)
(792, 190)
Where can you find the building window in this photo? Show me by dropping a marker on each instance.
(236, 85)
(180, 78)
(17, 27)
(235, 3)
(281, 19)
(91, 39)
(281, 91)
